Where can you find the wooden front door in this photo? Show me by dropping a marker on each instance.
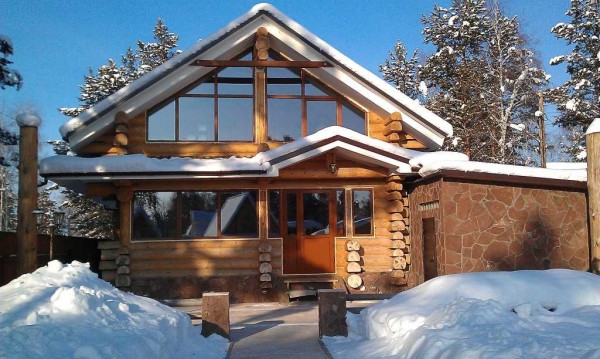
(429, 244)
(308, 220)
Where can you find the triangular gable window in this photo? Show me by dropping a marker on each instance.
(220, 107)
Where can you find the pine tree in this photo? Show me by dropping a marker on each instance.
(481, 78)
(88, 218)
(8, 77)
(578, 99)
(47, 206)
(111, 77)
(402, 72)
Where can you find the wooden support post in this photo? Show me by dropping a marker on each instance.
(124, 196)
(332, 313)
(592, 137)
(215, 314)
(28, 173)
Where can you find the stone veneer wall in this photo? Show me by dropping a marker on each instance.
(510, 227)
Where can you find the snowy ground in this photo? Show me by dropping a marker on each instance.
(65, 311)
(524, 314)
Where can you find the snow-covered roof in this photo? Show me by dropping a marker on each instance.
(431, 163)
(289, 37)
(347, 143)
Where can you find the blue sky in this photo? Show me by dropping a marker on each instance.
(56, 41)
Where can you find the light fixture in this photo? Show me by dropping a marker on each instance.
(333, 167)
(58, 218)
(39, 216)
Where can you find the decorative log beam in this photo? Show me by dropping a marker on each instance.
(393, 117)
(261, 63)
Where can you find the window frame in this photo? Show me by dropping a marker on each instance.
(372, 192)
(179, 217)
(215, 96)
(306, 78)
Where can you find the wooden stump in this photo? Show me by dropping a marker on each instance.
(332, 313)
(215, 314)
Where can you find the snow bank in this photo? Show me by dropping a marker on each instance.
(65, 311)
(522, 314)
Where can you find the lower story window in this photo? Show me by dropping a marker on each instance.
(194, 214)
(362, 212)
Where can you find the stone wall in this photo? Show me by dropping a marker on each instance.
(510, 227)
(487, 226)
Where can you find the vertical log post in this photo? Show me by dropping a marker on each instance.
(592, 137)
(124, 196)
(215, 314)
(28, 173)
(332, 313)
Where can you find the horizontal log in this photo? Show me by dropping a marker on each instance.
(104, 265)
(186, 245)
(354, 281)
(109, 245)
(400, 244)
(395, 205)
(352, 245)
(407, 256)
(394, 116)
(395, 178)
(397, 235)
(265, 267)
(396, 226)
(265, 247)
(397, 253)
(399, 263)
(109, 275)
(122, 260)
(353, 267)
(398, 273)
(394, 196)
(394, 127)
(198, 265)
(123, 250)
(264, 257)
(265, 277)
(121, 140)
(392, 137)
(200, 254)
(262, 31)
(266, 285)
(109, 254)
(353, 257)
(200, 273)
(121, 129)
(123, 270)
(262, 55)
(394, 186)
(262, 43)
(396, 216)
(121, 118)
(398, 281)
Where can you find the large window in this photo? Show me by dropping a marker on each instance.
(362, 212)
(198, 214)
(218, 108)
(298, 105)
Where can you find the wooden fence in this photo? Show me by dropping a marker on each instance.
(66, 249)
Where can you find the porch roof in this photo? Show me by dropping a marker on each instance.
(67, 170)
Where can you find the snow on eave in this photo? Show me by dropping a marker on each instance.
(428, 120)
(503, 170)
(594, 127)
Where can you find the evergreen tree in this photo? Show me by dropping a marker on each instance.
(8, 77)
(481, 78)
(87, 217)
(47, 206)
(111, 77)
(578, 99)
(401, 71)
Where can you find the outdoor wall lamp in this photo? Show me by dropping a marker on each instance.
(333, 167)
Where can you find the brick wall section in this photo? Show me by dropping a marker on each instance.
(511, 227)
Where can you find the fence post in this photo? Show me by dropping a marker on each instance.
(28, 173)
(593, 178)
(215, 314)
(332, 313)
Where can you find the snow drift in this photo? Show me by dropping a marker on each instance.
(523, 314)
(65, 311)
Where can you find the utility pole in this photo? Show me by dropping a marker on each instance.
(542, 127)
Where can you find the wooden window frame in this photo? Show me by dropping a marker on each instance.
(371, 191)
(179, 215)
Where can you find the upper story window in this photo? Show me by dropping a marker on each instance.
(218, 108)
(298, 106)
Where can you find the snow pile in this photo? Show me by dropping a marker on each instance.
(65, 311)
(523, 314)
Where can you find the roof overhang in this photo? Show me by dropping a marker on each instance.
(72, 171)
(289, 38)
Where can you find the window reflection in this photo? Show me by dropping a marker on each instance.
(362, 212)
(285, 119)
(199, 214)
(316, 213)
(196, 119)
(320, 114)
(154, 215)
(236, 119)
(161, 124)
